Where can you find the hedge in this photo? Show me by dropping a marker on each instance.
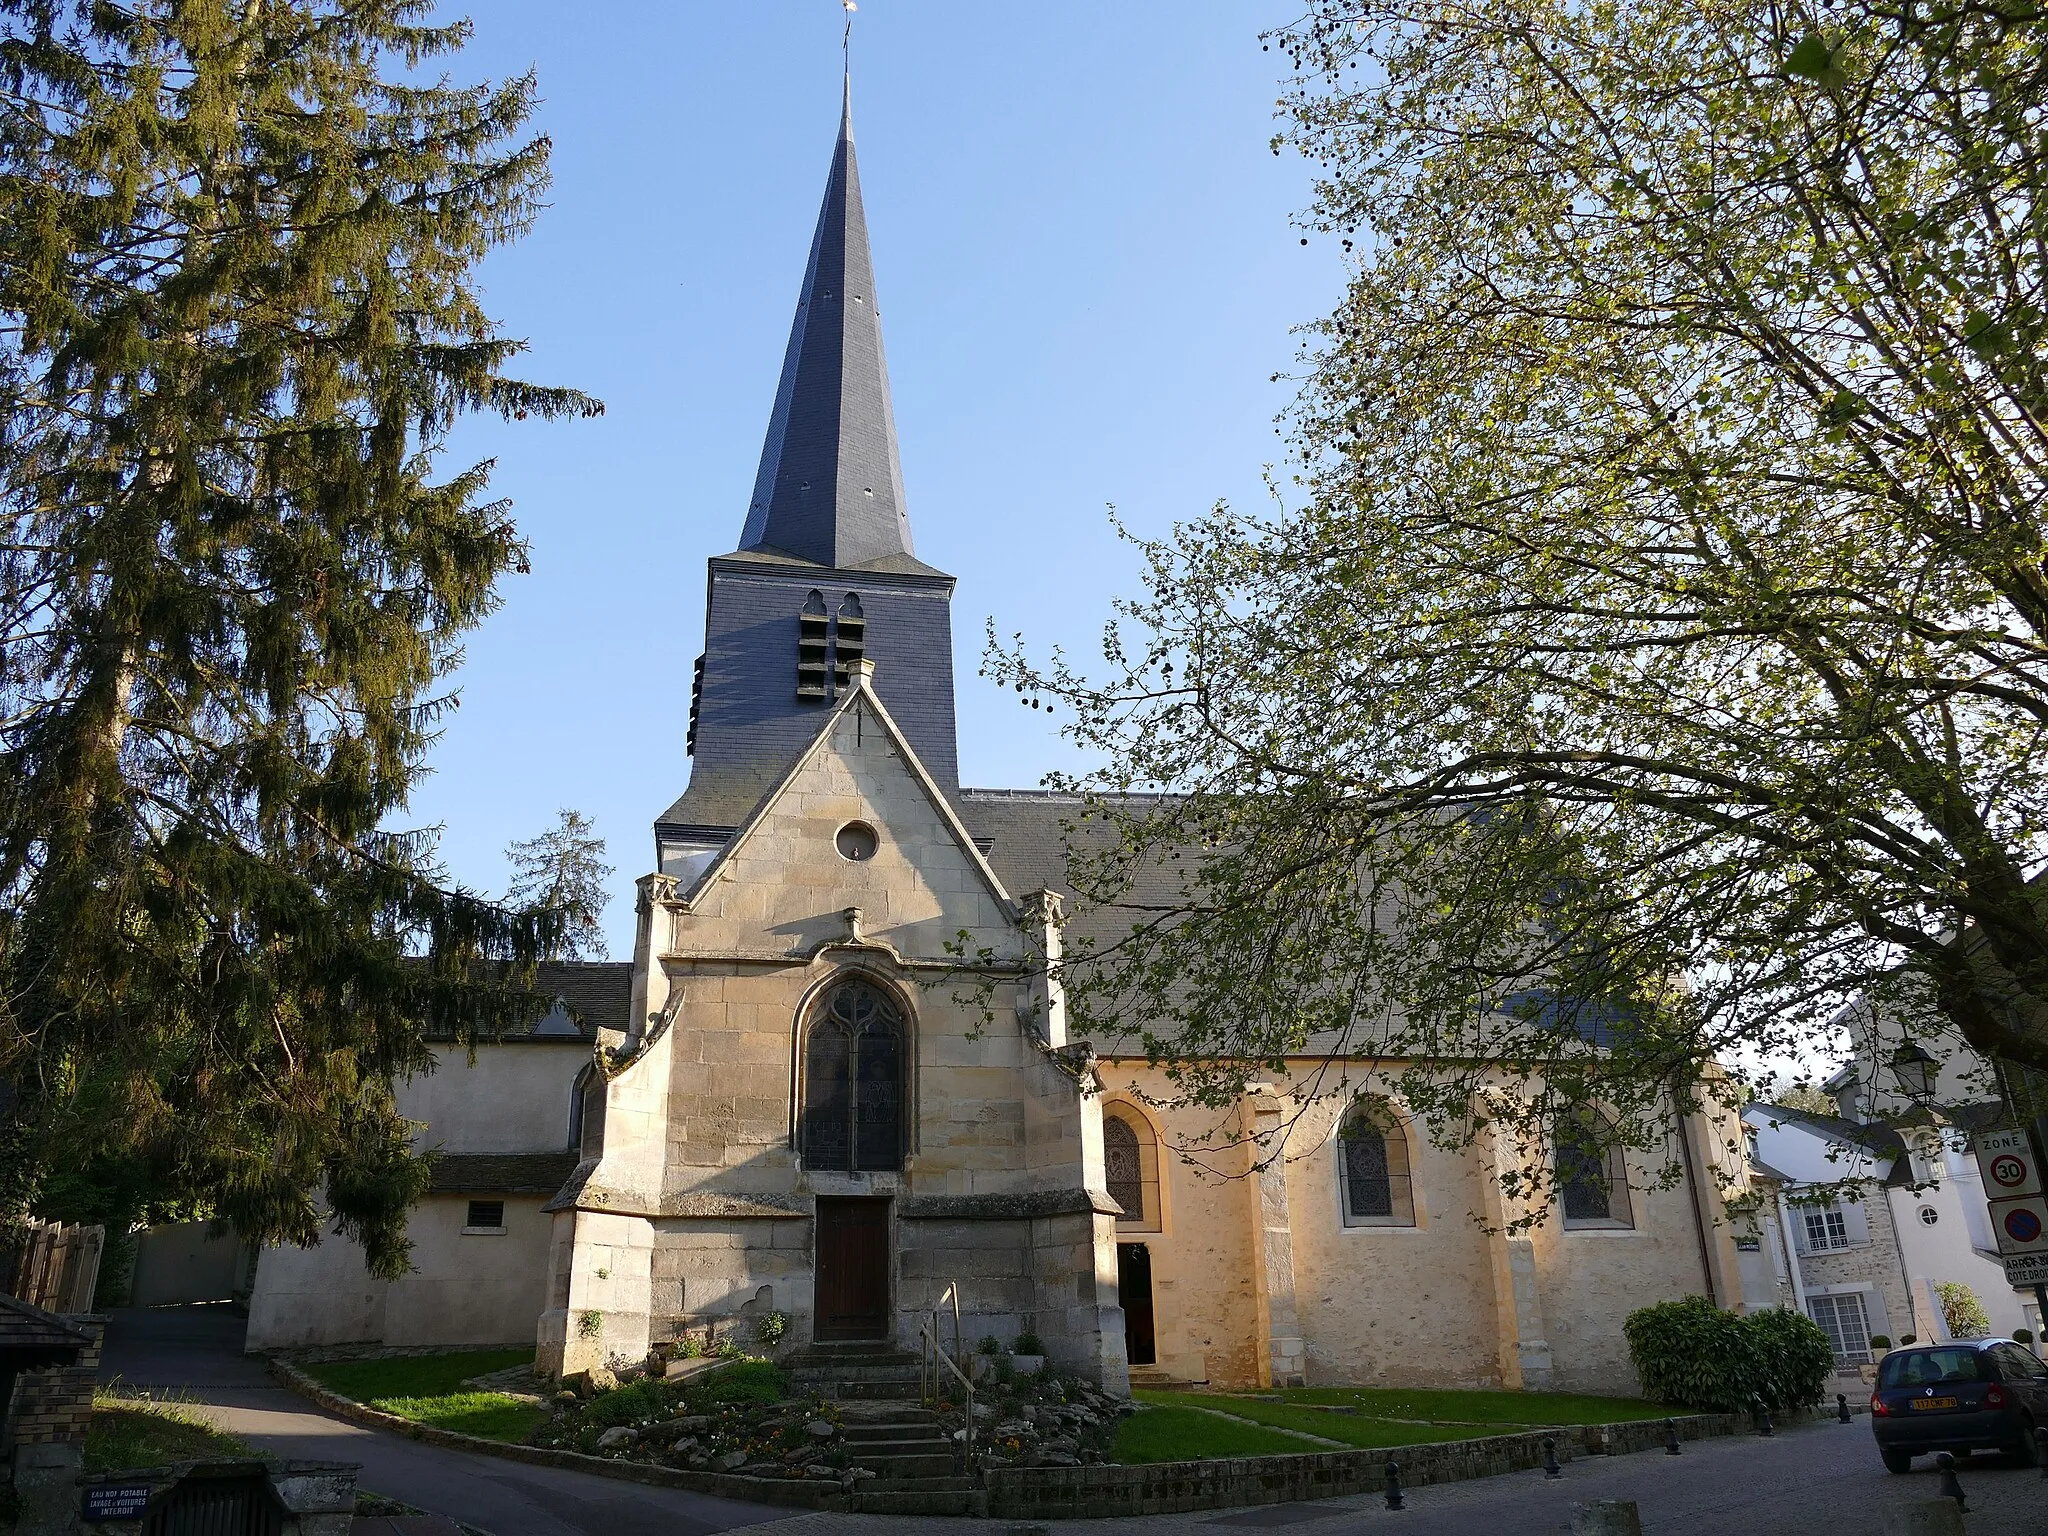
(1692, 1354)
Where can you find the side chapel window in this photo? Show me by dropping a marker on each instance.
(853, 1083)
(1372, 1168)
(1592, 1175)
(1130, 1167)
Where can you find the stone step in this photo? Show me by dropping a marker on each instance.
(908, 1429)
(922, 1500)
(923, 1464)
(861, 1391)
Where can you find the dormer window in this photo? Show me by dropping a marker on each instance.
(812, 640)
(850, 644)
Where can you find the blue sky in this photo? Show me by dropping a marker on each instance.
(1087, 272)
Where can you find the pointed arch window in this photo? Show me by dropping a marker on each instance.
(1130, 1169)
(1372, 1167)
(1592, 1173)
(854, 1056)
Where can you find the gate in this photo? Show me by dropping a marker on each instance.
(241, 1503)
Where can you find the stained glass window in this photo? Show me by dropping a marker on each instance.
(1123, 1166)
(1372, 1165)
(1592, 1177)
(853, 1083)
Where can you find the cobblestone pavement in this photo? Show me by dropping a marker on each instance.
(1818, 1480)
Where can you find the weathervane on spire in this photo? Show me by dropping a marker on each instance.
(846, 38)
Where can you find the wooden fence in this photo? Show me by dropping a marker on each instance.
(50, 1265)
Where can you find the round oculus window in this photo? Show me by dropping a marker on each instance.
(1929, 1215)
(856, 841)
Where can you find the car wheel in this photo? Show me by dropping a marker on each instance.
(2028, 1452)
(1896, 1460)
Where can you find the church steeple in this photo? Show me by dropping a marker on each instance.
(824, 576)
(830, 486)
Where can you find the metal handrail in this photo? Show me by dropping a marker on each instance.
(934, 1354)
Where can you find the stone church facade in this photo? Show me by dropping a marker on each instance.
(792, 1100)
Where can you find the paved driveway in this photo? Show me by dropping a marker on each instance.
(1818, 1480)
(197, 1352)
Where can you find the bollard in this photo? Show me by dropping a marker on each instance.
(1607, 1517)
(1924, 1517)
(1950, 1488)
(1671, 1437)
(1394, 1499)
(1842, 1407)
(1550, 1467)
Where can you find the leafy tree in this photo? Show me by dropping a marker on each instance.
(237, 318)
(1651, 652)
(1804, 1096)
(562, 872)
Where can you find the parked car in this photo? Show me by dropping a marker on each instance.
(1965, 1395)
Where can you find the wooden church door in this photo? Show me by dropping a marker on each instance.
(853, 1269)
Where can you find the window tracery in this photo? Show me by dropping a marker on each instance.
(853, 1115)
(1372, 1168)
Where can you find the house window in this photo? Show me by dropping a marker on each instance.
(1592, 1174)
(485, 1216)
(1826, 1227)
(853, 1083)
(1841, 1318)
(1372, 1168)
(1130, 1159)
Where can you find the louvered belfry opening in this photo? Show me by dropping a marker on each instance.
(813, 638)
(853, 1084)
(849, 640)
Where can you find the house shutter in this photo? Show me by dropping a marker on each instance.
(1856, 1218)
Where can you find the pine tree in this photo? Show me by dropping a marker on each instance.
(238, 316)
(562, 873)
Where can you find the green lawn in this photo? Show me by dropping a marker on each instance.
(1350, 1428)
(1188, 1434)
(128, 1432)
(1454, 1406)
(426, 1389)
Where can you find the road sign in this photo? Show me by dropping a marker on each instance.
(2008, 1165)
(2026, 1268)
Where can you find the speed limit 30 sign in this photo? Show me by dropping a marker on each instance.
(2008, 1165)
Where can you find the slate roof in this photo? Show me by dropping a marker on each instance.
(830, 486)
(1025, 835)
(501, 1173)
(1878, 1140)
(596, 993)
(31, 1338)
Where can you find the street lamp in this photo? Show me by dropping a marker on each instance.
(1916, 1071)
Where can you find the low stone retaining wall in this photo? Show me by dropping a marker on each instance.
(759, 1490)
(1174, 1487)
(1057, 1493)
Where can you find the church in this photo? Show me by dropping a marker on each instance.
(784, 1105)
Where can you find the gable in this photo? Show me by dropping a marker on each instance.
(783, 885)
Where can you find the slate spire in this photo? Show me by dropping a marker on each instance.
(830, 487)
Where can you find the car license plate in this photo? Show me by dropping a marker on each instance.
(1933, 1402)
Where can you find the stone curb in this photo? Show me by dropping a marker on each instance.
(725, 1485)
(1170, 1487)
(1180, 1487)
